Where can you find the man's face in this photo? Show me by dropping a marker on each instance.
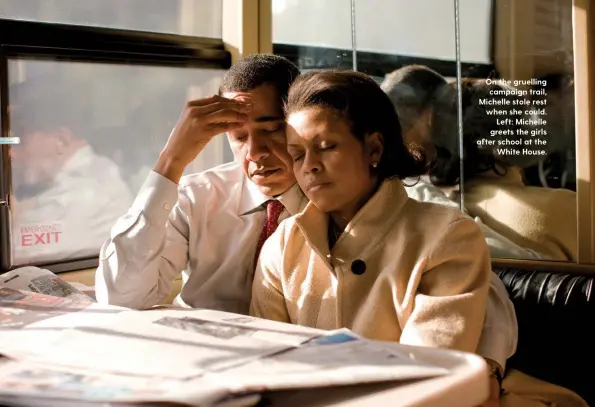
(35, 160)
(260, 145)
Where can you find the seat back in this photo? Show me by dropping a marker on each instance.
(556, 317)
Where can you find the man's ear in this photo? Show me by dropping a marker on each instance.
(63, 136)
(374, 144)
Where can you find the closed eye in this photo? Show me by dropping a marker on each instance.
(274, 129)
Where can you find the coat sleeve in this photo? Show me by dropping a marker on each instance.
(450, 302)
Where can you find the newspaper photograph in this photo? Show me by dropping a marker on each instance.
(19, 308)
(264, 329)
(42, 281)
(27, 309)
(29, 380)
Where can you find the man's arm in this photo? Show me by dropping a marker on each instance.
(148, 246)
(147, 250)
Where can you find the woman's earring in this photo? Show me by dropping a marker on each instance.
(374, 164)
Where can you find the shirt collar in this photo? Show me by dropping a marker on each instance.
(252, 200)
(77, 162)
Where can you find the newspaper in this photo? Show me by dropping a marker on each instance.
(182, 343)
(42, 281)
(64, 347)
(337, 358)
(26, 309)
(31, 381)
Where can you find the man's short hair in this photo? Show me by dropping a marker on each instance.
(411, 90)
(260, 69)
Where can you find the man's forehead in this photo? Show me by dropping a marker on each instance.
(266, 105)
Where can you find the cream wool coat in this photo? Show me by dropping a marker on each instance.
(427, 272)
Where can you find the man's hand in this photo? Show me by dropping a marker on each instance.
(199, 122)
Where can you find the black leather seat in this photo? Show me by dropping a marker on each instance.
(556, 314)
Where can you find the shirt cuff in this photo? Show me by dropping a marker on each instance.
(156, 198)
(496, 348)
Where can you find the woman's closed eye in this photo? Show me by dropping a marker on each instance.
(296, 156)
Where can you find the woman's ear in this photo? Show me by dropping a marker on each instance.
(374, 144)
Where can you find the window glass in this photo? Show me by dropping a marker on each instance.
(90, 134)
(515, 143)
(186, 17)
(313, 34)
(518, 131)
(423, 29)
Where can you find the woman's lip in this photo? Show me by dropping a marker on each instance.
(316, 186)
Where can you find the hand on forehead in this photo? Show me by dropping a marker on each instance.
(243, 97)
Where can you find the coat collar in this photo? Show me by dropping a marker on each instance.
(364, 232)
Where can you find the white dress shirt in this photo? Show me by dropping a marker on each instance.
(72, 217)
(500, 332)
(207, 228)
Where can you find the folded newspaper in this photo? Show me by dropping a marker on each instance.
(69, 349)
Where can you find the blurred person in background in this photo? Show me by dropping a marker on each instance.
(66, 197)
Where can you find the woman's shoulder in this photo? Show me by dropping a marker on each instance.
(432, 213)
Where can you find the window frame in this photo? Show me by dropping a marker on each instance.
(74, 43)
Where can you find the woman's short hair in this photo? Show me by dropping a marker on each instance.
(360, 100)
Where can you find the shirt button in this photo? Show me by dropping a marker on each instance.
(167, 206)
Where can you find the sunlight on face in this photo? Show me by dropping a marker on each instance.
(330, 164)
(260, 144)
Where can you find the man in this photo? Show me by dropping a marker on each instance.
(65, 195)
(211, 226)
(208, 227)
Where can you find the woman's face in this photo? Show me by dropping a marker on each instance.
(331, 166)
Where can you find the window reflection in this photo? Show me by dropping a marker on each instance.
(90, 133)
(527, 193)
(517, 130)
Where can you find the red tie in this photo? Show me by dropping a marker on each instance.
(274, 209)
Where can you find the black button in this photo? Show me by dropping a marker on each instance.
(358, 267)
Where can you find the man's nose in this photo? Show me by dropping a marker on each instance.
(257, 148)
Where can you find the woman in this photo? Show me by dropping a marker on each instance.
(495, 190)
(413, 91)
(362, 255)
